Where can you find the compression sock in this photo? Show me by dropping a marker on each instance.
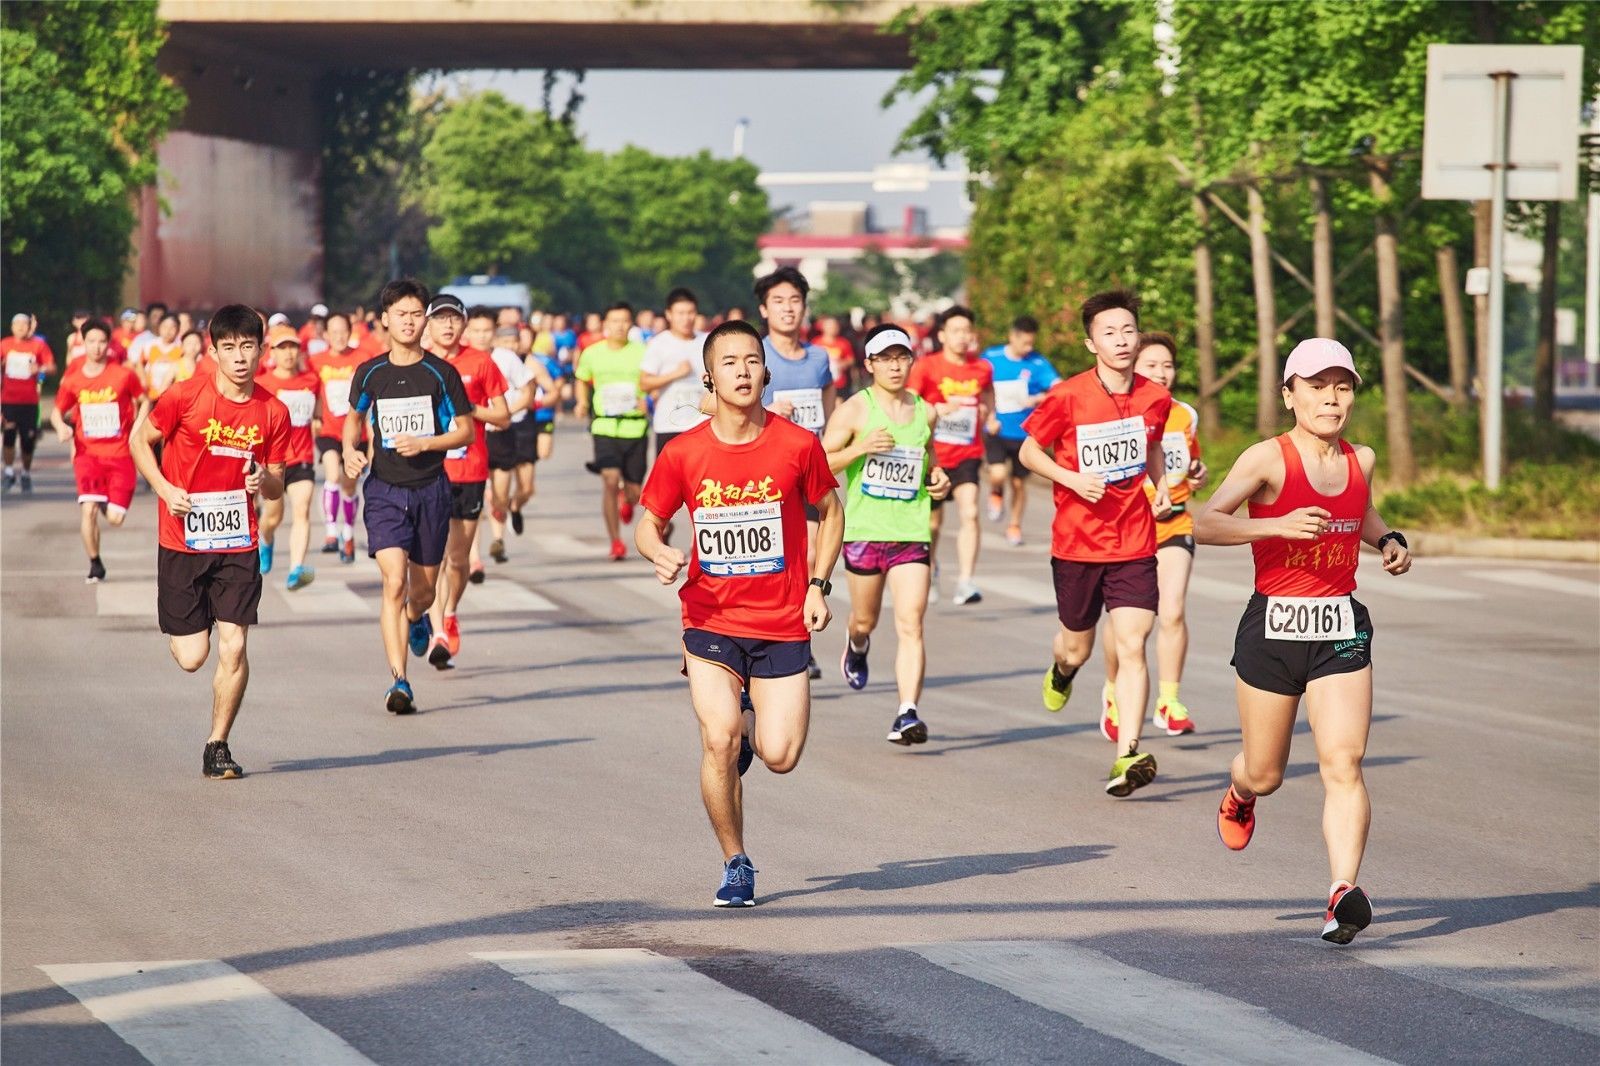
(330, 508)
(347, 509)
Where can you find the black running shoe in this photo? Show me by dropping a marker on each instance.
(516, 522)
(1349, 912)
(218, 764)
(97, 572)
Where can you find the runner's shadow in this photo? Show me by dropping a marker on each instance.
(402, 755)
(920, 873)
(1230, 736)
(1203, 783)
(950, 680)
(1452, 916)
(1006, 736)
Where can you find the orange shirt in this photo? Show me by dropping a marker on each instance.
(164, 367)
(1180, 443)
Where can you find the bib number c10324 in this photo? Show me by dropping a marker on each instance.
(893, 475)
(217, 521)
(1310, 618)
(739, 541)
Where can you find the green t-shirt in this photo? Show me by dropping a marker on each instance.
(886, 496)
(614, 375)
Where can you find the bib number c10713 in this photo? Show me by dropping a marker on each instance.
(807, 405)
(1309, 618)
(217, 521)
(893, 475)
(739, 541)
(1114, 450)
(404, 415)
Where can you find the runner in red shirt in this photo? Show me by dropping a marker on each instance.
(24, 361)
(334, 369)
(101, 400)
(1097, 437)
(1303, 634)
(959, 383)
(749, 609)
(295, 385)
(467, 468)
(226, 441)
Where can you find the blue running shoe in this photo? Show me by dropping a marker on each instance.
(266, 558)
(738, 884)
(853, 665)
(398, 700)
(908, 729)
(421, 636)
(747, 754)
(300, 577)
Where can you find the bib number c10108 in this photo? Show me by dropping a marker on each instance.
(739, 541)
(1309, 618)
(217, 521)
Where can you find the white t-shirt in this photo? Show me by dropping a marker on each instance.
(139, 346)
(678, 406)
(516, 373)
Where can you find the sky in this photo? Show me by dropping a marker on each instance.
(799, 121)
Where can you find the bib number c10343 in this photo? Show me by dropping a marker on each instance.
(739, 541)
(1310, 618)
(217, 521)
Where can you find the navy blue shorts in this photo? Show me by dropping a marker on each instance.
(746, 657)
(416, 519)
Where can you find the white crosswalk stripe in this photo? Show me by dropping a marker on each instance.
(670, 1010)
(1173, 1019)
(126, 599)
(324, 596)
(1034, 591)
(191, 1012)
(1407, 587)
(1539, 580)
(503, 597)
(1449, 967)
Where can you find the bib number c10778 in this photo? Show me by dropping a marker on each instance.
(807, 405)
(740, 541)
(1309, 618)
(1114, 450)
(893, 475)
(404, 415)
(217, 521)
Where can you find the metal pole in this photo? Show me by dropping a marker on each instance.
(1591, 295)
(1494, 372)
(738, 137)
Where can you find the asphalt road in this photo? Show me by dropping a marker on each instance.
(522, 872)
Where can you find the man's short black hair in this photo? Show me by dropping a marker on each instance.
(620, 305)
(1025, 324)
(680, 295)
(954, 311)
(155, 305)
(480, 311)
(339, 314)
(783, 274)
(236, 322)
(399, 289)
(730, 328)
(95, 324)
(1115, 300)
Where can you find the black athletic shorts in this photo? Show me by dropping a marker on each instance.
(997, 450)
(466, 499)
(22, 423)
(196, 589)
(1083, 590)
(502, 447)
(963, 473)
(1182, 540)
(525, 435)
(299, 472)
(1287, 666)
(624, 454)
(329, 444)
(746, 657)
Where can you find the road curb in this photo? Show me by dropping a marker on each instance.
(1551, 551)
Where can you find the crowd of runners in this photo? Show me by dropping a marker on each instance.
(748, 460)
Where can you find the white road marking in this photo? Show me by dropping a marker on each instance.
(564, 544)
(1215, 589)
(1439, 965)
(1407, 587)
(503, 596)
(193, 1012)
(118, 599)
(670, 1010)
(1173, 1019)
(1034, 591)
(1539, 580)
(324, 596)
(650, 589)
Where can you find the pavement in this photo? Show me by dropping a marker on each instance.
(523, 873)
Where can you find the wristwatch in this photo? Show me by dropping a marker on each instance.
(1393, 534)
(827, 586)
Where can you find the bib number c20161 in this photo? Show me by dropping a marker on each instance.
(217, 521)
(958, 427)
(739, 541)
(1308, 618)
(807, 405)
(1114, 450)
(893, 475)
(100, 421)
(404, 415)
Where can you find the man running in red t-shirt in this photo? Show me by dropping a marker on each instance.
(24, 361)
(1097, 437)
(749, 605)
(225, 441)
(295, 386)
(101, 400)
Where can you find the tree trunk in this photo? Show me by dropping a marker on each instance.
(1544, 355)
(1266, 319)
(1455, 324)
(1322, 258)
(1205, 341)
(1391, 331)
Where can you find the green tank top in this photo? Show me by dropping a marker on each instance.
(886, 496)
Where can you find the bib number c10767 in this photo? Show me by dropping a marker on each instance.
(1309, 618)
(217, 521)
(740, 541)
(408, 415)
(807, 405)
(1114, 450)
(893, 475)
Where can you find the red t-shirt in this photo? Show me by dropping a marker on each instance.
(937, 380)
(209, 440)
(105, 405)
(1086, 428)
(483, 382)
(334, 373)
(747, 575)
(20, 363)
(299, 395)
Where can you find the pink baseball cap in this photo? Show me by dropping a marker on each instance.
(1316, 354)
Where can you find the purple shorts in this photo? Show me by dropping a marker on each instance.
(414, 518)
(880, 556)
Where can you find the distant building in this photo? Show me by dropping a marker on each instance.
(836, 233)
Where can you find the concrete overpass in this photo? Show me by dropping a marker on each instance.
(245, 156)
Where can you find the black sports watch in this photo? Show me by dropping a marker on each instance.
(827, 586)
(1393, 534)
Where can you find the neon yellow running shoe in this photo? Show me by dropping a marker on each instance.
(1173, 717)
(1055, 698)
(1131, 772)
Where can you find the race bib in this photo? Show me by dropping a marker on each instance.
(163, 374)
(217, 521)
(807, 403)
(894, 475)
(959, 427)
(1010, 396)
(100, 421)
(739, 541)
(336, 396)
(19, 364)
(411, 415)
(1114, 450)
(300, 404)
(1175, 448)
(618, 399)
(1307, 618)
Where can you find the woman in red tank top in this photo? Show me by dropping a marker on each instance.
(1303, 633)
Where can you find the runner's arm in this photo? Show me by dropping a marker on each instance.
(1396, 556)
(652, 382)
(63, 430)
(830, 400)
(1217, 521)
(830, 533)
(584, 389)
(496, 413)
(1036, 458)
(838, 435)
(142, 442)
(546, 383)
(458, 435)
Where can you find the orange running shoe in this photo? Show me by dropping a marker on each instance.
(452, 634)
(619, 551)
(624, 508)
(1349, 912)
(1236, 820)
